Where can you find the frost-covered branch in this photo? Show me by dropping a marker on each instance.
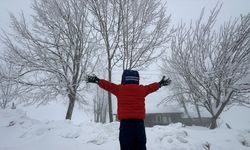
(213, 65)
(55, 52)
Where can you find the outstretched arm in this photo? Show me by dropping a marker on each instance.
(106, 85)
(155, 86)
(151, 88)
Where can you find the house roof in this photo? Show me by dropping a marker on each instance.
(161, 109)
(164, 109)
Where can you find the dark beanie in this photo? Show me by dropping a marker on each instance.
(130, 77)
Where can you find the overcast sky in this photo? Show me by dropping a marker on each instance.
(180, 10)
(184, 10)
(190, 9)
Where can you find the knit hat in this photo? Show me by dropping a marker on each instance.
(130, 77)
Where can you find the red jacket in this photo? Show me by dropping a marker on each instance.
(130, 97)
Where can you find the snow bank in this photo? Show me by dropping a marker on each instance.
(19, 132)
(236, 117)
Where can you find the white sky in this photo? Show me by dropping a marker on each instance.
(190, 9)
(179, 9)
(184, 10)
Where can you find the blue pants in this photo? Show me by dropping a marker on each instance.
(132, 134)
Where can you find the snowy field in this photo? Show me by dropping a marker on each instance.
(18, 131)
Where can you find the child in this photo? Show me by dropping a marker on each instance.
(131, 106)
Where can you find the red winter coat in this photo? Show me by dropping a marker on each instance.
(130, 97)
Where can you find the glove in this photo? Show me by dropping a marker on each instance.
(92, 79)
(164, 82)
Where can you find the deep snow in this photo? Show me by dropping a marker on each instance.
(20, 132)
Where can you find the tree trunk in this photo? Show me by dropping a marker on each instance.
(213, 124)
(186, 111)
(198, 111)
(109, 94)
(72, 99)
(104, 118)
(216, 116)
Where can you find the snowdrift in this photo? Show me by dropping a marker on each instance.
(20, 132)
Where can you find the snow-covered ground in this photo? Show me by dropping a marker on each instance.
(18, 131)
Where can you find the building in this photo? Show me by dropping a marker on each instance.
(163, 115)
(153, 119)
(171, 114)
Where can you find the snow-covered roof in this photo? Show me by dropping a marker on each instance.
(164, 109)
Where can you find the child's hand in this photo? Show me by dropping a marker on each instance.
(92, 79)
(164, 82)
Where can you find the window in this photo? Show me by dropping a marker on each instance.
(165, 119)
(158, 118)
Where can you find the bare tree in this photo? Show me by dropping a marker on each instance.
(133, 32)
(100, 106)
(178, 94)
(101, 97)
(144, 32)
(106, 22)
(213, 64)
(55, 52)
(9, 90)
